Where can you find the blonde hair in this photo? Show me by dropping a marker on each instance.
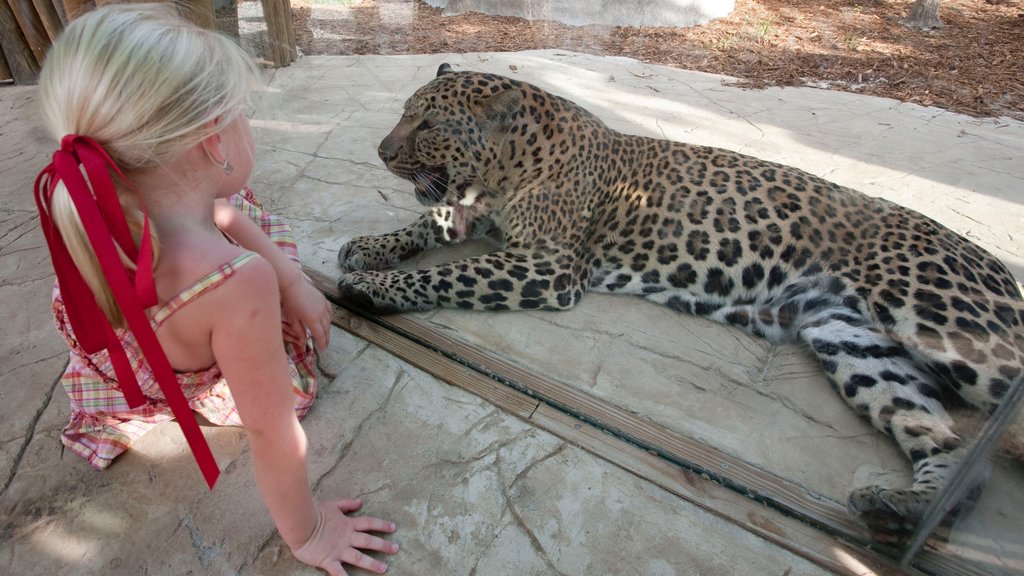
(146, 85)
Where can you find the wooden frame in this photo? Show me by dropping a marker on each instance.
(29, 27)
(280, 49)
(19, 57)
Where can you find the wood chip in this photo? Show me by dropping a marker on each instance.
(972, 65)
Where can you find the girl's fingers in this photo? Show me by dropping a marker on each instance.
(357, 558)
(321, 333)
(326, 340)
(366, 542)
(298, 330)
(347, 505)
(371, 524)
(334, 568)
(325, 328)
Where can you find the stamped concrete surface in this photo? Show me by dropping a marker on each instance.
(473, 489)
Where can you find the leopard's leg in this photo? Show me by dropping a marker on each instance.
(877, 377)
(981, 360)
(505, 280)
(436, 227)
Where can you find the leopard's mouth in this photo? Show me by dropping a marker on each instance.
(431, 185)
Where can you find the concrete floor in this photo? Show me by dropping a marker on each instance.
(473, 489)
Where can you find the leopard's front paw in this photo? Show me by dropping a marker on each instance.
(365, 253)
(890, 514)
(363, 291)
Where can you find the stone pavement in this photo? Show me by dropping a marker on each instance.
(473, 489)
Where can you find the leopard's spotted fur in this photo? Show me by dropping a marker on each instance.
(899, 309)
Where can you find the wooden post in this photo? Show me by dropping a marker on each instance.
(280, 33)
(285, 6)
(200, 13)
(270, 49)
(31, 27)
(5, 72)
(58, 7)
(22, 63)
(75, 8)
(49, 18)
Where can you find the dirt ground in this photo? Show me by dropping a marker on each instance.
(973, 65)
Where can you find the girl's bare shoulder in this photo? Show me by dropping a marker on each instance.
(226, 305)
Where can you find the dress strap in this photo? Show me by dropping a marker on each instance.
(202, 286)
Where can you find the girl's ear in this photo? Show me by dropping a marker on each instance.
(213, 144)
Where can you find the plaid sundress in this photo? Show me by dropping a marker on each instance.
(102, 426)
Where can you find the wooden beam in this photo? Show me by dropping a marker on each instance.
(49, 18)
(285, 7)
(59, 9)
(5, 72)
(32, 29)
(199, 12)
(786, 532)
(280, 47)
(21, 61)
(434, 363)
(75, 8)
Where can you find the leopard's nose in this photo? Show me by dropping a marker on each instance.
(385, 153)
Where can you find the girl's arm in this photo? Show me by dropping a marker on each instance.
(246, 342)
(304, 307)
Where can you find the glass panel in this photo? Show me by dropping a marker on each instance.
(975, 521)
(768, 420)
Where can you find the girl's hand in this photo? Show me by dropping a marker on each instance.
(303, 308)
(337, 539)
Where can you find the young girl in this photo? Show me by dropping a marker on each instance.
(175, 292)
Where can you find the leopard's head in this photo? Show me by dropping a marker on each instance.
(451, 132)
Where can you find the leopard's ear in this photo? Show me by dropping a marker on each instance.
(443, 69)
(498, 110)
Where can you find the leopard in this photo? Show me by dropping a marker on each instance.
(906, 316)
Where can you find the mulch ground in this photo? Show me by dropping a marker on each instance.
(973, 65)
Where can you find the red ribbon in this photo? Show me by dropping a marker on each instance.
(107, 229)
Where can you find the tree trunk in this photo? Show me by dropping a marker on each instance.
(924, 14)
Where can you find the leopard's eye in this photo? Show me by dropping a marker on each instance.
(426, 124)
